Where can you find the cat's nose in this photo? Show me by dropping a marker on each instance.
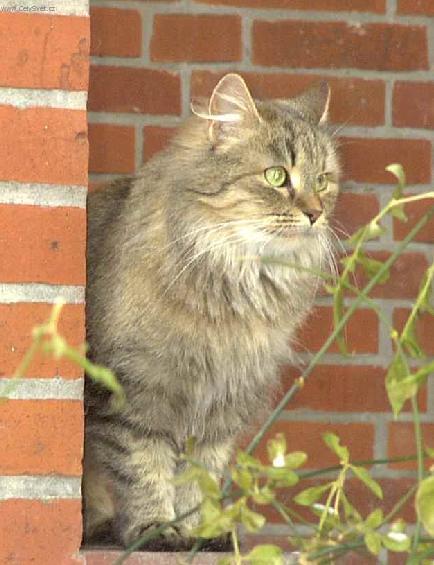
(313, 214)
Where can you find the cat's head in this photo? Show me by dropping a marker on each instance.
(263, 172)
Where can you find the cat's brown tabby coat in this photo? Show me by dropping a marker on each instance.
(180, 305)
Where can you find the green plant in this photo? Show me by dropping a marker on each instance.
(336, 526)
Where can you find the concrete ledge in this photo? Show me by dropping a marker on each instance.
(108, 557)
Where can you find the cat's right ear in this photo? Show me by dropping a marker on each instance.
(231, 109)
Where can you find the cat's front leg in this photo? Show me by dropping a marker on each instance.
(214, 456)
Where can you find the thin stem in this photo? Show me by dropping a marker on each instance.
(401, 502)
(236, 546)
(420, 464)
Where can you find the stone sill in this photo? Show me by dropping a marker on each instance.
(109, 556)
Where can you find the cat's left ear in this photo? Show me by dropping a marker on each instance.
(314, 103)
(231, 109)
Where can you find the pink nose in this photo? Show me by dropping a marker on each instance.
(313, 214)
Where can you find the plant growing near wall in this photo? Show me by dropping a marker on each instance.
(336, 526)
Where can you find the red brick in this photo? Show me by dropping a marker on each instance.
(41, 437)
(307, 436)
(16, 324)
(361, 331)
(414, 212)
(353, 101)
(424, 328)
(413, 104)
(133, 90)
(56, 255)
(115, 32)
(40, 532)
(423, 7)
(365, 160)
(376, 6)
(382, 47)
(199, 38)
(40, 51)
(354, 211)
(405, 276)
(155, 139)
(340, 388)
(43, 145)
(402, 443)
(111, 148)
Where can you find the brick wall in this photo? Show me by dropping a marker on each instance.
(148, 59)
(43, 182)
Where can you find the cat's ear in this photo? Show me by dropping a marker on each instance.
(314, 102)
(231, 108)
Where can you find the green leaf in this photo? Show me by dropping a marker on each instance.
(266, 554)
(375, 518)
(263, 496)
(408, 386)
(208, 485)
(215, 520)
(398, 213)
(397, 171)
(373, 542)
(396, 541)
(363, 475)
(410, 342)
(373, 230)
(425, 504)
(252, 521)
(276, 448)
(333, 442)
(372, 266)
(295, 459)
(350, 511)
(243, 478)
(246, 460)
(284, 477)
(396, 373)
(310, 495)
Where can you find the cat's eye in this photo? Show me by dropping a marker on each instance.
(276, 176)
(322, 182)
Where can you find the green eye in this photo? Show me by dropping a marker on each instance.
(276, 176)
(322, 182)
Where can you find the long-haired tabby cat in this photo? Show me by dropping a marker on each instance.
(180, 305)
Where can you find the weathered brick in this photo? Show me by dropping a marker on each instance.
(382, 47)
(307, 436)
(422, 7)
(199, 38)
(354, 211)
(115, 32)
(155, 139)
(133, 90)
(375, 6)
(43, 145)
(56, 255)
(353, 100)
(424, 328)
(365, 160)
(44, 52)
(415, 211)
(40, 532)
(16, 324)
(343, 388)
(402, 443)
(412, 104)
(361, 331)
(405, 275)
(41, 437)
(112, 148)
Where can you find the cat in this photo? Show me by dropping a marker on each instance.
(182, 306)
